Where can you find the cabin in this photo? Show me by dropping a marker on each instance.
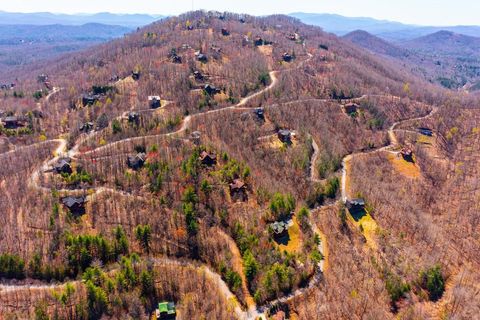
(63, 166)
(356, 207)
(285, 136)
(37, 114)
(260, 113)
(201, 57)
(101, 90)
(13, 122)
(351, 108)
(279, 229)
(407, 154)
(76, 205)
(166, 311)
(154, 102)
(258, 41)
(136, 75)
(133, 117)
(211, 90)
(287, 57)
(114, 78)
(207, 159)
(198, 75)
(293, 37)
(425, 131)
(86, 127)
(89, 99)
(137, 161)
(176, 59)
(238, 190)
(225, 32)
(42, 78)
(195, 137)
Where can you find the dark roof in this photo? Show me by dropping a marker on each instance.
(71, 201)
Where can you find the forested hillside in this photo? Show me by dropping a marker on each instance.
(240, 168)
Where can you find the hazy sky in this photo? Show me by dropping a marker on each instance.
(426, 12)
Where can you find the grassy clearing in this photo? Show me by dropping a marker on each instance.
(295, 243)
(369, 229)
(408, 169)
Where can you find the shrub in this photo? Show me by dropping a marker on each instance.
(432, 281)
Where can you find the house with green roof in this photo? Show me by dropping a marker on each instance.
(166, 311)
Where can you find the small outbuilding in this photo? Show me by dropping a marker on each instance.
(137, 161)
(76, 205)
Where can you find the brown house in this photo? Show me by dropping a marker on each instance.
(238, 190)
(207, 159)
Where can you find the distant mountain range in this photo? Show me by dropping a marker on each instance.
(46, 18)
(389, 30)
(13, 34)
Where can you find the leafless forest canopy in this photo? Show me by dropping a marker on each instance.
(111, 202)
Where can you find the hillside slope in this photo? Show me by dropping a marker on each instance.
(211, 160)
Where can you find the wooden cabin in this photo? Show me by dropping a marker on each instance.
(285, 136)
(13, 122)
(351, 108)
(76, 205)
(154, 102)
(208, 159)
(137, 161)
(225, 32)
(63, 166)
(211, 90)
(238, 190)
